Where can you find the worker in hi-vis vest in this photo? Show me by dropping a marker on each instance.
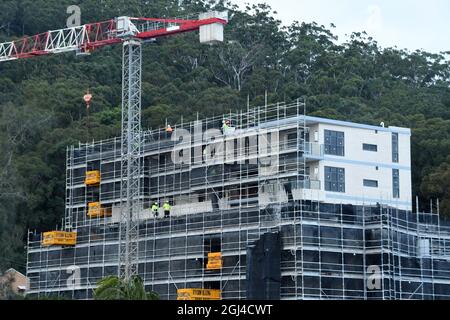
(166, 208)
(225, 126)
(155, 208)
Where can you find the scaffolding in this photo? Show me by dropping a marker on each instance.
(228, 187)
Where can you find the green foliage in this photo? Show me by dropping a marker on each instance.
(436, 185)
(113, 288)
(42, 111)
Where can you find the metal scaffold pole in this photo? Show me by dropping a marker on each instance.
(131, 151)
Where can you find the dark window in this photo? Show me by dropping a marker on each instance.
(292, 140)
(395, 147)
(334, 143)
(370, 147)
(334, 179)
(370, 183)
(395, 183)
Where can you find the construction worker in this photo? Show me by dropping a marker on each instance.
(168, 132)
(155, 209)
(166, 208)
(225, 126)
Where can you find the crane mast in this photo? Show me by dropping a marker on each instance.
(131, 151)
(131, 32)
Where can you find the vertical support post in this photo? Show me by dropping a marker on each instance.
(418, 250)
(130, 154)
(382, 252)
(391, 263)
(68, 223)
(441, 251)
(399, 254)
(364, 252)
(265, 99)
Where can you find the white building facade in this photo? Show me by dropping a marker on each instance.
(358, 164)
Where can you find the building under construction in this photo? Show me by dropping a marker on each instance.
(266, 203)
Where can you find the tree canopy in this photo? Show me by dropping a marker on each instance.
(113, 288)
(42, 111)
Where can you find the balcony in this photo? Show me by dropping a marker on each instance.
(311, 184)
(302, 189)
(314, 151)
(307, 184)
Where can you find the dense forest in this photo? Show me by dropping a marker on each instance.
(42, 111)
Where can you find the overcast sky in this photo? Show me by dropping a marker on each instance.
(411, 24)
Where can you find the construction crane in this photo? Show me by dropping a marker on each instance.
(131, 32)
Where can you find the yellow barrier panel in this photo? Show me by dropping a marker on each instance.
(62, 238)
(214, 261)
(92, 177)
(95, 210)
(199, 294)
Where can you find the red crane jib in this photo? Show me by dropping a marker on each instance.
(89, 37)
